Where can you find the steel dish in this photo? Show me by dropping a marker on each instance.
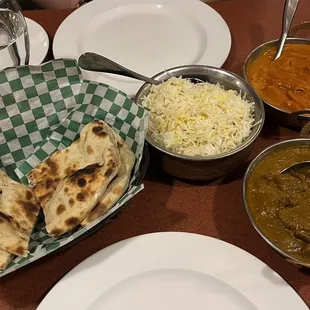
(302, 140)
(295, 119)
(211, 167)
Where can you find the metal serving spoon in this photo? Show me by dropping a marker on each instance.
(94, 62)
(288, 15)
(302, 168)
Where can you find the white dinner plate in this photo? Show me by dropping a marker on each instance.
(172, 271)
(147, 36)
(39, 44)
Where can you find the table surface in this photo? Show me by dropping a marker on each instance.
(213, 209)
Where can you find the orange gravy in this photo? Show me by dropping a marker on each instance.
(284, 83)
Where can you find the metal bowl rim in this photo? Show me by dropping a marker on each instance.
(249, 57)
(238, 149)
(247, 174)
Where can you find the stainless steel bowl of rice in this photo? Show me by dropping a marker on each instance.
(204, 130)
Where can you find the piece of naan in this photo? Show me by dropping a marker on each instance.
(5, 259)
(77, 189)
(12, 239)
(116, 188)
(18, 214)
(87, 150)
(18, 203)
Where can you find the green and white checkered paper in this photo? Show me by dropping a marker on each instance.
(42, 109)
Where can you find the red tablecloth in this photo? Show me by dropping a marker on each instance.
(214, 209)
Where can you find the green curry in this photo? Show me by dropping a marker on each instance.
(280, 203)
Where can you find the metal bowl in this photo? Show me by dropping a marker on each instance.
(288, 119)
(208, 167)
(302, 140)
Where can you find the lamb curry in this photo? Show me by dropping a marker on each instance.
(280, 203)
(284, 83)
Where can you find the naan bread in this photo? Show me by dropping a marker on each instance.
(87, 150)
(116, 188)
(5, 259)
(12, 240)
(78, 192)
(18, 214)
(18, 204)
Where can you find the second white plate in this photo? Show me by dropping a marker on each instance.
(172, 271)
(39, 44)
(146, 36)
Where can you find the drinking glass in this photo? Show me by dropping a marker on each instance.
(14, 38)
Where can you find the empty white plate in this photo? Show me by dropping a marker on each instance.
(172, 271)
(147, 36)
(39, 44)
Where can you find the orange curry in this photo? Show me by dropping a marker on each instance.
(284, 83)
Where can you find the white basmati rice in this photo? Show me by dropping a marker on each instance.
(198, 119)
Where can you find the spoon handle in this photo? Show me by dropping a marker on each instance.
(95, 62)
(288, 15)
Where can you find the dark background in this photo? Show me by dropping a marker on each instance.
(28, 5)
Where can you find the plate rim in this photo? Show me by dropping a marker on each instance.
(131, 87)
(34, 28)
(30, 21)
(106, 254)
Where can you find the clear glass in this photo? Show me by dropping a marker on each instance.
(14, 38)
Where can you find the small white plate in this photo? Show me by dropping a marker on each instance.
(170, 271)
(39, 44)
(147, 36)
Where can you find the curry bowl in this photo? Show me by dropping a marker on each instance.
(277, 202)
(293, 119)
(205, 167)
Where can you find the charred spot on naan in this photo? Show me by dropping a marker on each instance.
(52, 165)
(60, 209)
(44, 190)
(108, 172)
(30, 209)
(81, 182)
(89, 150)
(83, 176)
(81, 196)
(71, 201)
(29, 195)
(66, 189)
(6, 217)
(56, 232)
(20, 251)
(99, 131)
(49, 183)
(111, 169)
(72, 221)
(85, 171)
